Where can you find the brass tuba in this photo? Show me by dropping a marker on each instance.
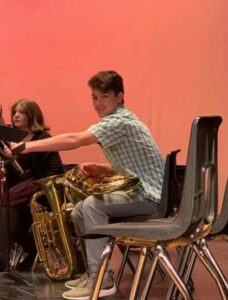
(51, 231)
(50, 228)
(77, 186)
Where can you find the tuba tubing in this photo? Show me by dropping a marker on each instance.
(50, 230)
(36, 227)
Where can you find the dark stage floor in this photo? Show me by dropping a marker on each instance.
(40, 287)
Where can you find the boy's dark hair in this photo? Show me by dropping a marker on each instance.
(105, 81)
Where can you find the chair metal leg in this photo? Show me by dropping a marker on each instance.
(212, 266)
(163, 258)
(183, 254)
(17, 253)
(204, 246)
(125, 249)
(138, 273)
(125, 259)
(150, 278)
(102, 268)
(159, 268)
(155, 266)
(213, 269)
(36, 260)
(188, 272)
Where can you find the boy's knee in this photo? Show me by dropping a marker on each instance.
(92, 203)
(89, 202)
(77, 211)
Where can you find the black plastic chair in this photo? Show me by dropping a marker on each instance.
(193, 221)
(168, 206)
(187, 258)
(219, 229)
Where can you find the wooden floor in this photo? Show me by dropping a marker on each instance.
(36, 285)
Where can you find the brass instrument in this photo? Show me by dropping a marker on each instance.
(78, 187)
(51, 231)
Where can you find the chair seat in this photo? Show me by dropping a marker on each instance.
(156, 229)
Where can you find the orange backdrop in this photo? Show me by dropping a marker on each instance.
(172, 54)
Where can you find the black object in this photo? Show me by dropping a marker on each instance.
(18, 149)
(188, 257)
(8, 134)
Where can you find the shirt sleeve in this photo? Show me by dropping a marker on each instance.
(46, 163)
(109, 131)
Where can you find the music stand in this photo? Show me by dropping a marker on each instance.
(9, 134)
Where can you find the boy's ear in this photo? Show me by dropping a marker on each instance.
(121, 97)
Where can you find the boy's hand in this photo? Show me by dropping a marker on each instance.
(12, 149)
(18, 148)
(97, 170)
(7, 151)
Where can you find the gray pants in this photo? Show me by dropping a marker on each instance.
(99, 210)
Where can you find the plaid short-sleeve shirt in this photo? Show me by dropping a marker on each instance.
(129, 146)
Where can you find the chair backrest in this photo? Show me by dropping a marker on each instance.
(180, 172)
(169, 195)
(199, 196)
(221, 223)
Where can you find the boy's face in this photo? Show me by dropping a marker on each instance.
(105, 102)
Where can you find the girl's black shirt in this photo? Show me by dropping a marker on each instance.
(37, 164)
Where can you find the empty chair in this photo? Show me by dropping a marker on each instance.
(219, 229)
(188, 257)
(192, 222)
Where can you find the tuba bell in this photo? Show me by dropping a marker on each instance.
(51, 229)
(77, 186)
